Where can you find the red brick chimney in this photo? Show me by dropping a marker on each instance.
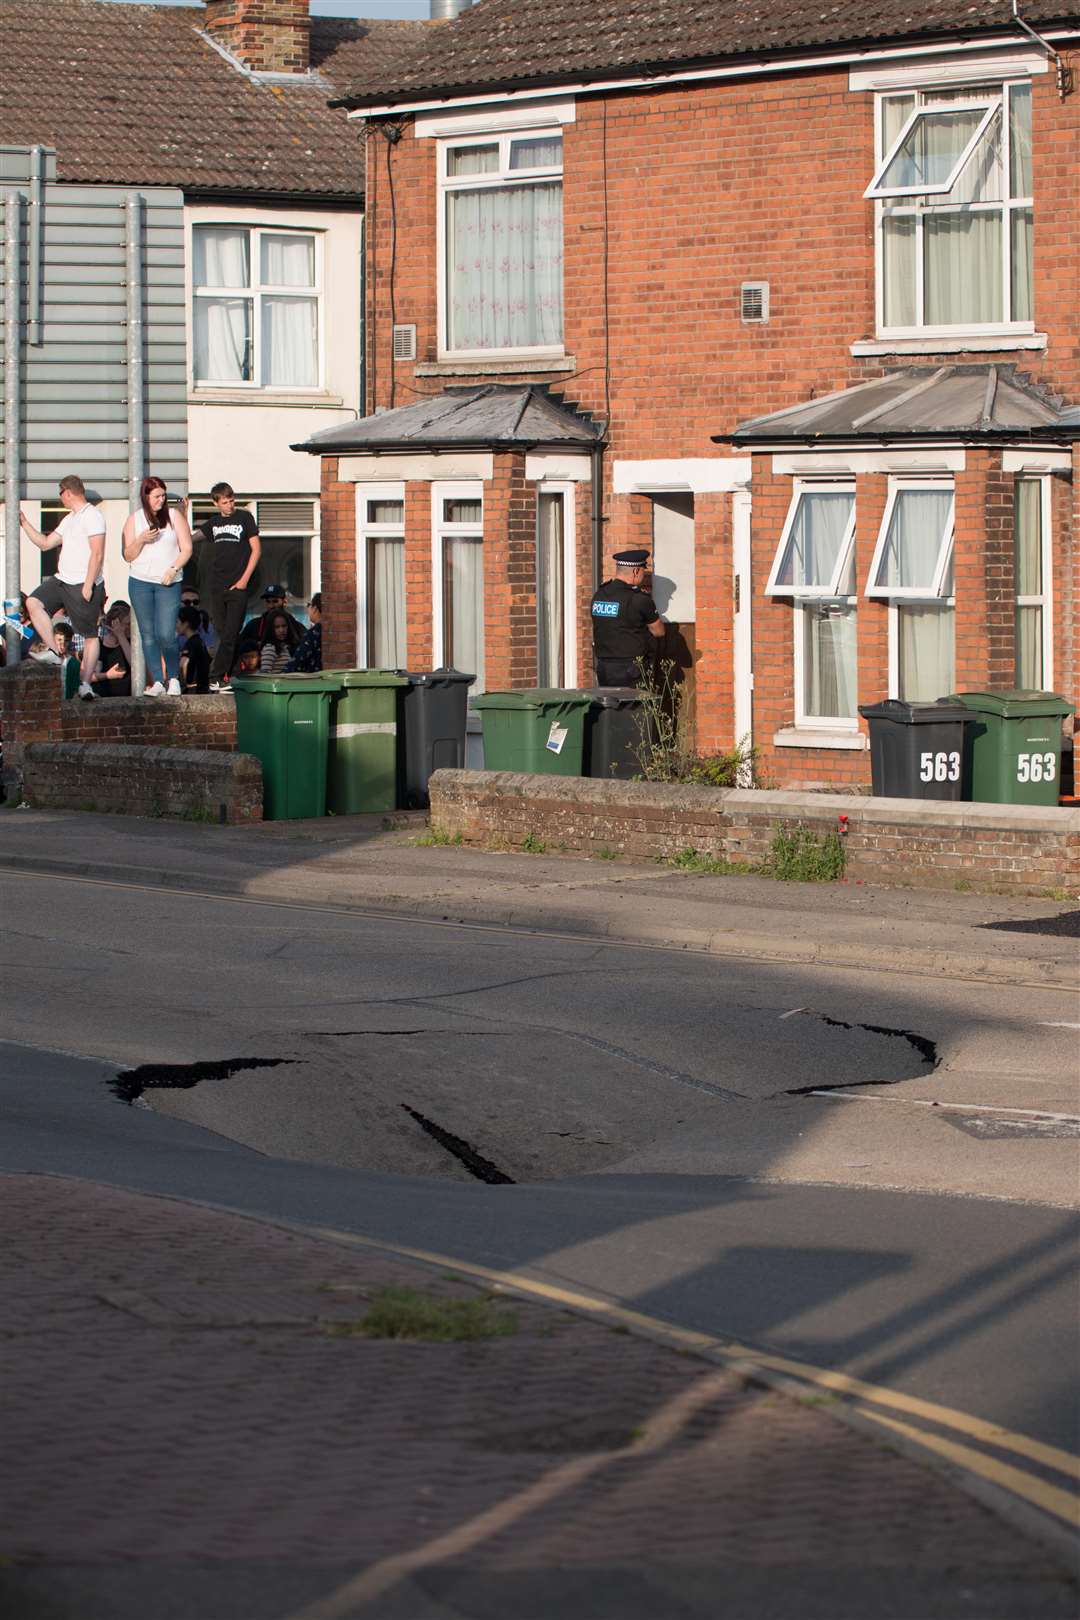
(268, 36)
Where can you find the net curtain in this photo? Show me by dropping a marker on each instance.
(505, 254)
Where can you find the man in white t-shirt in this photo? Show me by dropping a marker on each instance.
(78, 586)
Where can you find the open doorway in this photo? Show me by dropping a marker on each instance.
(673, 590)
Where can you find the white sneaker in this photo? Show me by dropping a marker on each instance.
(46, 656)
(174, 688)
(157, 690)
(86, 692)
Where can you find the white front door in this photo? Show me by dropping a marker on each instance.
(742, 603)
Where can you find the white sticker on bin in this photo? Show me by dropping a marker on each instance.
(366, 728)
(556, 737)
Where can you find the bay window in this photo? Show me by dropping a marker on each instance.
(256, 307)
(912, 569)
(380, 586)
(501, 225)
(458, 538)
(815, 564)
(1034, 660)
(953, 194)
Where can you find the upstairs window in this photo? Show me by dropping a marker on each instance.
(502, 244)
(953, 192)
(256, 315)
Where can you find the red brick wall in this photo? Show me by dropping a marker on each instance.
(916, 844)
(337, 550)
(33, 710)
(190, 784)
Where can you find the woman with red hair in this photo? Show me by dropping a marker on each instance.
(157, 544)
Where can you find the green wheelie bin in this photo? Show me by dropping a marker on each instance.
(363, 769)
(541, 732)
(284, 721)
(1016, 745)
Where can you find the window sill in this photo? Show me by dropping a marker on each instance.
(996, 343)
(260, 396)
(496, 366)
(803, 737)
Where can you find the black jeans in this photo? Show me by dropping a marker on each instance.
(620, 672)
(228, 610)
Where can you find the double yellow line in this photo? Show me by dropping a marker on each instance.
(869, 1401)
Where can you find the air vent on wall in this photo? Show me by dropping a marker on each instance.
(291, 515)
(754, 302)
(404, 342)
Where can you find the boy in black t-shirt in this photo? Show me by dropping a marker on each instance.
(233, 540)
(194, 658)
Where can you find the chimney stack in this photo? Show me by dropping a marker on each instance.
(268, 36)
(447, 10)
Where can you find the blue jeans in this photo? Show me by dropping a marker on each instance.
(156, 607)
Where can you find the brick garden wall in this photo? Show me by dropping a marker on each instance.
(894, 841)
(33, 710)
(192, 784)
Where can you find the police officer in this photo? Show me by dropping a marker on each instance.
(626, 625)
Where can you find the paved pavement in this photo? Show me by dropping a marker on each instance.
(375, 863)
(193, 1433)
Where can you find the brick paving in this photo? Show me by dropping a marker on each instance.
(175, 1400)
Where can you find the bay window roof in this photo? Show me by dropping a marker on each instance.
(965, 404)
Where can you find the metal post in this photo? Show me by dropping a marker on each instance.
(33, 320)
(136, 401)
(12, 415)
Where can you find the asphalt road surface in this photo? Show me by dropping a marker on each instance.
(635, 1122)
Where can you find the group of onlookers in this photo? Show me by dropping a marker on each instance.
(185, 649)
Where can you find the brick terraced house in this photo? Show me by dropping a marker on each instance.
(791, 295)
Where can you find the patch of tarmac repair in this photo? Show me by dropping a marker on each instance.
(474, 1162)
(130, 1084)
(926, 1048)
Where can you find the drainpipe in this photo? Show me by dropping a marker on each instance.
(12, 416)
(136, 401)
(597, 454)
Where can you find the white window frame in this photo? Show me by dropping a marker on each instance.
(568, 491)
(458, 490)
(943, 602)
(819, 722)
(1007, 205)
(824, 593)
(366, 532)
(503, 176)
(990, 110)
(256, 291)
(1046, 600)
(914, 593)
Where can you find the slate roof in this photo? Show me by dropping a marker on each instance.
(967, 402)
(136, 95)
(496, 416)
(503, 43)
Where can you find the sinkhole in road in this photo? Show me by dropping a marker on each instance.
(511, 1103)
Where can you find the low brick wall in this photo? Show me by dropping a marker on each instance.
(33, 709)
(902, 841)
(192, 784)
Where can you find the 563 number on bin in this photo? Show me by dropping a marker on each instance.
(1036, 767)
(940, 767)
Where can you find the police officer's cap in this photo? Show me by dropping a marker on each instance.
(631, 559)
